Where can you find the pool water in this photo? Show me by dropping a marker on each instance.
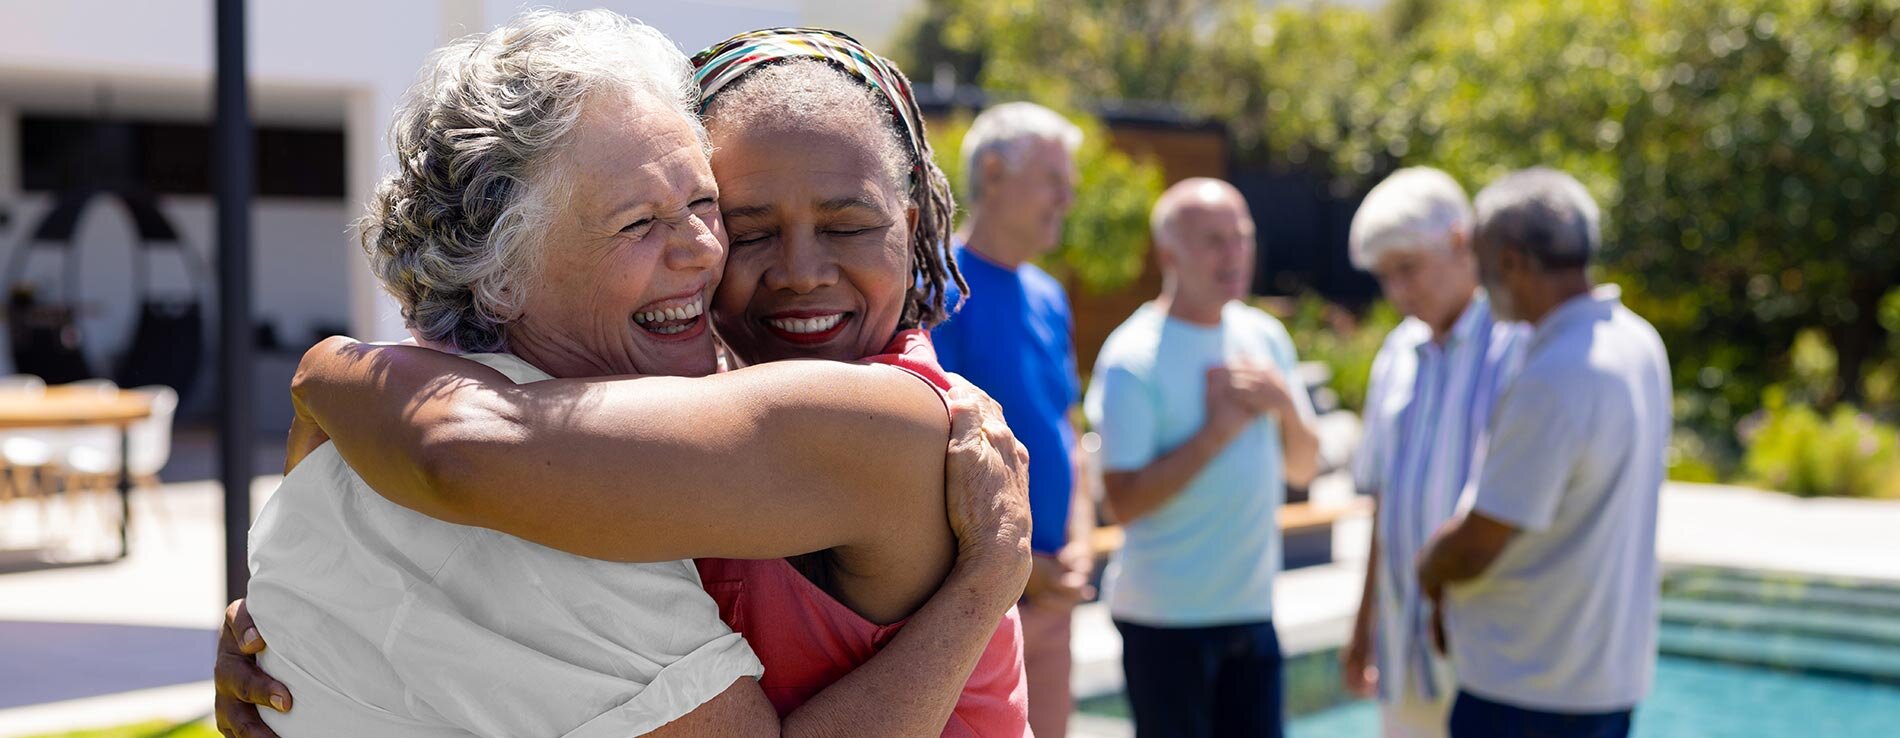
(1705, 699)
(1743, 655)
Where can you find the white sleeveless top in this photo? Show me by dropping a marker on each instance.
(385, 622)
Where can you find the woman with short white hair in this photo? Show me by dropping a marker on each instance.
(553, 199)
(1433, 384)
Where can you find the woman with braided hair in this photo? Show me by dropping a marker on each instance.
(824, 484)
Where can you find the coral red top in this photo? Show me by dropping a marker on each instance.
(808, 640)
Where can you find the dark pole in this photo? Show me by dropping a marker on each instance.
(232, 147)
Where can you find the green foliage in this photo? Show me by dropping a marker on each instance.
(1797, 450)
(1348, 344)
(1746, 152)
(1105, 241)
(1691, 460)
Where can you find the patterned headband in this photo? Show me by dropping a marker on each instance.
(728, 60)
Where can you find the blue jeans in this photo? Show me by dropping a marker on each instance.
(1203, 682)
(1477, 717)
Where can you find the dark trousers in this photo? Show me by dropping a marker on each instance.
(1477, 717)
(1203, 682)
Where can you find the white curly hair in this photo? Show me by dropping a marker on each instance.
(455, 232)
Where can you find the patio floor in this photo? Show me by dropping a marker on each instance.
(104, 644)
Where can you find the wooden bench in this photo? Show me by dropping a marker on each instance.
(1298, 520)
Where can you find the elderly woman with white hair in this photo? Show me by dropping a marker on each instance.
(554, 199)
(1433, 385)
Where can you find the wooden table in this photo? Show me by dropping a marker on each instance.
(79, 407)
(1295, 517)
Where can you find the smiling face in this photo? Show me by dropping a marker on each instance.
(633, 252)
(820, 259)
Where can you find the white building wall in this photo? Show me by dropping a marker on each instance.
(337, 63)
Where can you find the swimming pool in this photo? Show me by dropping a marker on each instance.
(1704, 699)
(1744, 655)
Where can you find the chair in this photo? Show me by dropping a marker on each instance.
(22, 383)
(26, 453)
(96, 450)
(93, 459)
(101, 386)
(23, 451)
(90, 443)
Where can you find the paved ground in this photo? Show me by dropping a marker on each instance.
(105, 644)
(1751, 529)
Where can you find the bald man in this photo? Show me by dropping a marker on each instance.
(1202, 429)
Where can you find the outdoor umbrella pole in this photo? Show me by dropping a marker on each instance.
(232, 150)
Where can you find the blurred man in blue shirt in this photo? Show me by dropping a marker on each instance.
(1011, 337)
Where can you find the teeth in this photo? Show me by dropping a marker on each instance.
(806, 325)
(683, 312)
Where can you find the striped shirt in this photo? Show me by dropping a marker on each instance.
(1427, 407)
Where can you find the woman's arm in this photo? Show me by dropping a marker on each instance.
(909, 687)
(769, 461)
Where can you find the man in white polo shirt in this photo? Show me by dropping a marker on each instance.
(1547, 582)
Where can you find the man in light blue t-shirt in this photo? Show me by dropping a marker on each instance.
(1547, 582)
(1202, 429)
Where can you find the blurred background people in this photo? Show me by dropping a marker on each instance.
(1431, 392)
(1012, 337)
(1202, 430)
(1548, 581)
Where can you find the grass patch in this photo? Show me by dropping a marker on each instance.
(153, 729)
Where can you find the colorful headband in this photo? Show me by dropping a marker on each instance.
(727, 61)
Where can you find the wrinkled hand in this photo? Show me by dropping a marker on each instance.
(987, 487)
(1356, 668)
(241, 686)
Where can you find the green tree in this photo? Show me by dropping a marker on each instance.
(1744, 151)
(1105, 241)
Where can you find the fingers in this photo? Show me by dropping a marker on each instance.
(1056, 582)
(988, 478)
(1062, 593)
(1075, 585)
(239, 627)
(236, 673)
(1359, 677)
(1363, 682)
(957, 382)
(975, 415)
(966, 417)
(238, 676)
(237, 719)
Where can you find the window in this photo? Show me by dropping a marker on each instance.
(173, 158)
